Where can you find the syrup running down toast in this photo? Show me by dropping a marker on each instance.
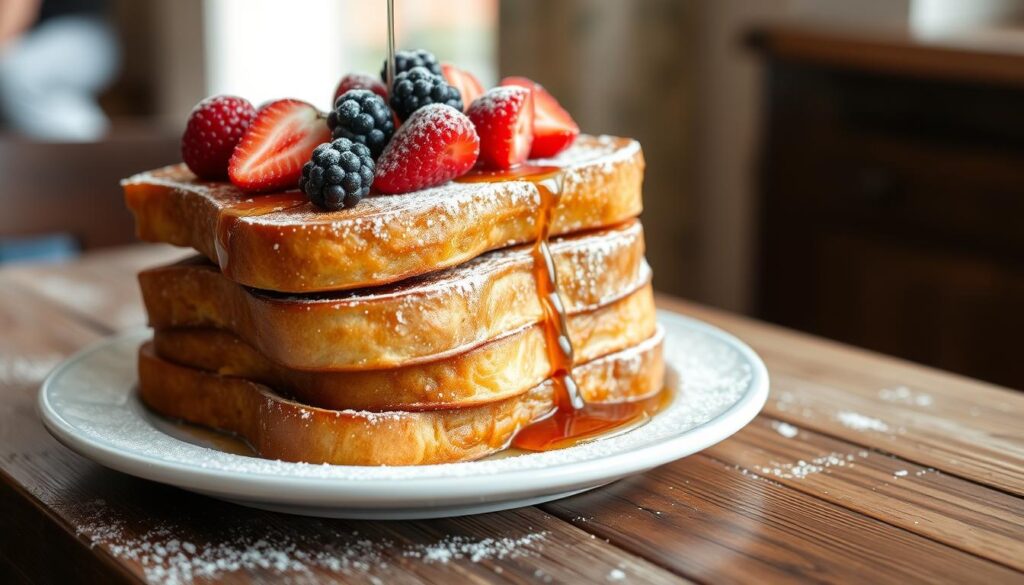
(428, 272)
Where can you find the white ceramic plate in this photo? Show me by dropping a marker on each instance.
(89, 403)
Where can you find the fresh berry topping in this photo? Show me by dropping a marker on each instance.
(272, 151)
(419, 87)
(362, 116)
(504, 120)
(338, 175)
(360, 81)
(468, 85)
(554, 130)
(436, 144)
(214, 127)
(407, 60)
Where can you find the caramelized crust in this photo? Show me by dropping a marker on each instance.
(282, 429)
(280, 242)
(498, 369)
(423, 319)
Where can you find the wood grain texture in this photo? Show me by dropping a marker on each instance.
(708, 520)
(969, 428)
(922, 500)
(721, 516)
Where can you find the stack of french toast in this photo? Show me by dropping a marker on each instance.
(406, 328)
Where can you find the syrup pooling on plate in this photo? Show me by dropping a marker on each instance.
(229, 216)
(565, 428)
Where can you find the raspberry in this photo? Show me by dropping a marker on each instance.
(362, 116)
(213, 130)
(338, 175)
(419, 87)
(436, 144)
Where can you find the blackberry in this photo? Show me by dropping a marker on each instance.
(406, 60)
(362, 116)
(419, 87)
(338, 175)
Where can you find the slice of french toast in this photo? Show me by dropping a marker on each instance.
(279, 428)
(498, 369)
(423, 319)
(280, 242)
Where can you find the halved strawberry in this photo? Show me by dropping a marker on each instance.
(554, 130)
(278, 142)
(504, 120)
(360, 81)
(464, 81)
(436, 144)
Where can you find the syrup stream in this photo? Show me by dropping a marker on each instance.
(560, 350)
(391, 46)
(572, 421)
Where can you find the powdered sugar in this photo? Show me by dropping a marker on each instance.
(801, 469)
(904, 395)
(861, 422)
(166, 555)
(495, 98)
(785, 429)
(459, 547)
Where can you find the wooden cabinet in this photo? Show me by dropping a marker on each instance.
(891, 203)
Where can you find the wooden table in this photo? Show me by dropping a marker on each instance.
(861, 468)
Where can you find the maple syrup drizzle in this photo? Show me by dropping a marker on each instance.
(391, 46)
(565, 428)
(571, 421)
(230, 215)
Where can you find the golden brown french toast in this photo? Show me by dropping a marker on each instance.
(279, 428)
(423, 319)
(280, 242)
(498, 369)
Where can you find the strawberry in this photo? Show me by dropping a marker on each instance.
(214, 127)
(360, 81)
(504, 120)
(278, 142)
(436, 144)
(464, 81)
(554, 130)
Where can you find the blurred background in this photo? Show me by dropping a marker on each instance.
(850, 169)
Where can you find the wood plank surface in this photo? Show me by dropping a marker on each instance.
(744, 510)
(708, 520)
(964, 427)
(923, 500)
